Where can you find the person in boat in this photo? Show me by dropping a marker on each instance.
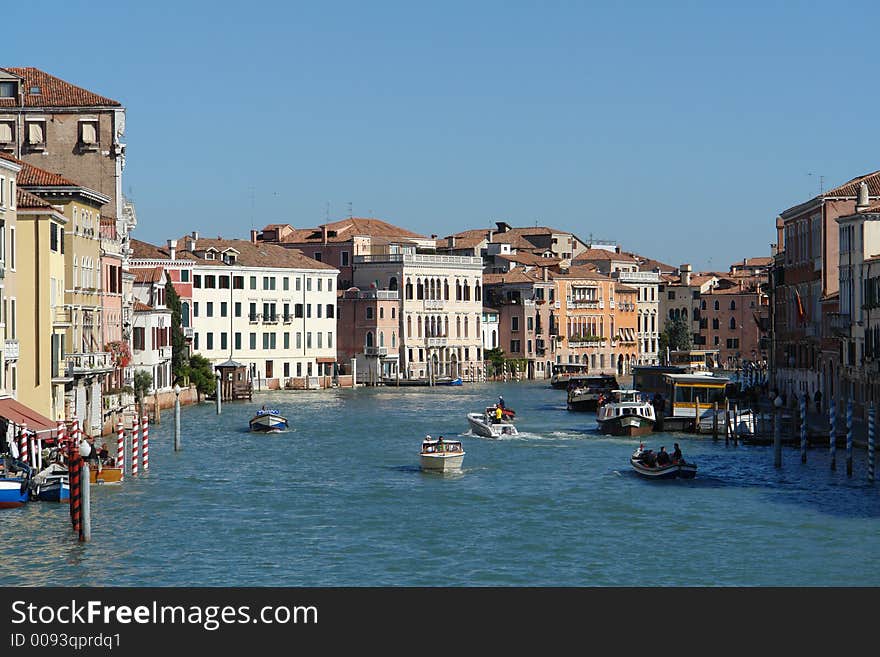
(676, 454)
(498, 414)
(663, 457)
(440, 444)
(501, 402)
(103, 453)
(600, 401)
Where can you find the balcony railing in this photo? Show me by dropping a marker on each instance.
(165, 352)
(287, 318)
(375, 351)
(840, 324)
(436, 342)
(10, 350)
(433, 304)
(585, 303)
(62, 316)
(188, 332)
(417, 258)
(578, 342)
(83, 364)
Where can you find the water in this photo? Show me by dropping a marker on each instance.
(339, 500)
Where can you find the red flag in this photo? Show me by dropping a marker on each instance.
(802, 315)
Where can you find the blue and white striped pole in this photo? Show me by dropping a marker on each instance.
(832, 420)
(849, 436)
(803, 404)
(871, 444)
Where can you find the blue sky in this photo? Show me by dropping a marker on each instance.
(680, 130)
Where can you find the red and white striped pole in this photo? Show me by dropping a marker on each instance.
(120, 449)
(61, 440)
(145, 454)
(23, 441)
(135, 431)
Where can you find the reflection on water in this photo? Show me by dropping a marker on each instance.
(340, 500)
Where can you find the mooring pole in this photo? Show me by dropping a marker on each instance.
(871, 425)
(85, 530)
(832, 421)
(803, 409)
(777, 432)
(849, 436)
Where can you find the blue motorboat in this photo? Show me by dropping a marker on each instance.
(268, 420)
(15, 479)
(52, 484)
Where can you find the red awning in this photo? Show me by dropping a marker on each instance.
(19, 414)
(323, 359)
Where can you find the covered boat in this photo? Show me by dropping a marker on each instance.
(584, 392)
(644, 462)
(627, 414)
(441, 455)
(51, 484)
(15, 478)
(486, 423)
(268, 420)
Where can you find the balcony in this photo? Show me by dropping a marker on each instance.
(436, 342)
(253, 319)
(840, 324)
(271, 319)
(188, 332)
(577, 342)
(589, 304)
(433, 304)
(165, 352)
(86, 364)
(10, 350)
(62, 317)
(375, 351)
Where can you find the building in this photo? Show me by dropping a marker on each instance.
(260, 304)
(524, 300)
(368, 330)
(537, 240)
(338, 243)
(680, 299)
(734, 320)
(151, 333)
(58, 126)
(9, 311)
(807, 278)
(440, 308)
(490, 328)
(42, 374)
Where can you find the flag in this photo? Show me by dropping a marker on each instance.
(802, 315)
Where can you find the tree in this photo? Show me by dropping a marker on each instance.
(179, 349)
(143, 382)
(201, 374)
(676, 335)
(496, 357)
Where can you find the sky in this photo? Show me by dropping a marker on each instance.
(679, 130)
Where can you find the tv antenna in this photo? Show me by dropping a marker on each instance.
(253, 201)
(350, 212)
(327, 212)
(821, 182)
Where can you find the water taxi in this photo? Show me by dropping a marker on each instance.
(562, 373)
(441, 455)
(626, 414)
(584, 391)
(15, 477)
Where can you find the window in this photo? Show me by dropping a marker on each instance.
(320, 340)
(318, 308)
(88, 134)
(238, 340)
(717, 305)
(238, 282)
(298, 287)
(209, 310)
(197, 280)
(299, 340)
(308, 311)
(36, 134)
(343, 259)
(287, 340)
(330, 311)
(224, 309)
(297, 309)
(309, 340)
(224, 282)
(196, 341)
(733, 304)
(330, 340)
(308, 285)
(195, 308)
(318, 256)
(672, 295)
(252, 312)
(184, 275)
(286, 286)
(715, 324)
(733, 322)
(514, 325)
(369, 312)
(209, 341)
(238, 308)
(253, 340)
(210, 281)
(53, 237)
(138, 338)
(223, 341)
(184, 313)
(514, 346)
(253, 282)
(7, 128)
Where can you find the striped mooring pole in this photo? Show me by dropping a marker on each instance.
(145, 447)
(849, 436)
(60, 439)
(120, 449)
(871, 412)
(135, 431)
(803, 409)
(832, 420)
(23, 444)
(71, 458)
(75, 469)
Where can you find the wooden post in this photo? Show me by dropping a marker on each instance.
(849, 436)
(158, 411)
(177, 418)
(803, 409)
(735, 424)
(871, 425)
(85, 529)
(727, 422)
(218, 393)
(832, 421)
(697, 415)
(715, 420)
(777, 433)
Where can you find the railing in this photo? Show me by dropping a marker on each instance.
(118, 400)
(387, 295)
(287, 318)
(436, 342)
(253, 319)
(418, 258)
(165, 352)
(270, 319)
(62, 316)
(10, 350)
(584, 303)
(638, 276)
(577, 342)
(375, 351)
(89, 363)
(188, 332)
(840, 323)
(433, 304)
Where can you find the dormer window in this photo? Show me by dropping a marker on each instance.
(35, 90)
(8, 89)
(230, 256)
(211, 254)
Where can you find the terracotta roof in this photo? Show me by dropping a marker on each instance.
(620, 287)
(146, 251)
(513, 276)
(461, 243)
(344, 230)
(511, 237)
(872, 208)
(261, 254)
(581, 271)
(601, 254)
(756, 262)
(27, 201)
(649, 264)
(147, 274)
(848, 189)
(140, 306)
(488, 310)
(31, 176)
(529, 259)
(54, 92)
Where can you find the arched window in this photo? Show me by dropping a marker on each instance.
(369, 339)
(703, 305)
(381, 312)
(446, 289)
(420, 289)
(392, 283)
(409, 289)
(184, 313)
(409, 327)
(478, 294)
(458, 290)
(733, 304)
(466, 323)
(431, 290)
(420, 327)
(733, 322)
(381, 338)
(717, 305)
(393, 340)
(467, 291)
(672, 313)
(458, 327)
(446, 326)
(393, 312)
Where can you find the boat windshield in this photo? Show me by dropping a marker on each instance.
(435, 446)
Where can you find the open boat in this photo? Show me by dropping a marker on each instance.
(485, 424)
(15, 478)
(441, 455)
(268, 420)
(644, 462)
(449, 382)
(626, 415)
(51, 484)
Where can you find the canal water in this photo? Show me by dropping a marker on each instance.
(339, 500)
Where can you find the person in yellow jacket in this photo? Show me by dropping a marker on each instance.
(498, 414)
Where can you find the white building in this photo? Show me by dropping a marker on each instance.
(491, 335)
(648, 305)
(264, 305)
(151, 328)
(440, 308)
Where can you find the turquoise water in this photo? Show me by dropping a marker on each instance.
(339, 500)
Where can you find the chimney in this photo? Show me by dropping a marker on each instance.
(780, 235)
(253, 236)
(685, 274)
(172, 249)
(324, 234)
(191, 241)
(617, 249)
(489, 235)
(544, 273)
(862, 203)
(450, 241)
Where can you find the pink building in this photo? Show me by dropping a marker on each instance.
(367, 331)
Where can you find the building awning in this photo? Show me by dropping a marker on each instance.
(19, 414)
(325, 359)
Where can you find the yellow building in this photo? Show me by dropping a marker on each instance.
(42, 372)
(87, 362)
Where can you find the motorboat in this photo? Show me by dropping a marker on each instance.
(584, 392)
(15, 478)
(626, 414)
(51, 484)
(449, 382)
(487, 425)
(268, 420)
(562, 373)
(441, 455)
(644, 462)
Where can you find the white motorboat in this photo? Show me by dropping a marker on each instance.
(626, 415)
(268, 420)
(487, 425)
(441, 455)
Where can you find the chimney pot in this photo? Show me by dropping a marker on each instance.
(172, 249)
(253, 236)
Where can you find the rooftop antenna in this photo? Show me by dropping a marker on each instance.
(821, 182)
(350, 213)
(253, 197)
(327, 213)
